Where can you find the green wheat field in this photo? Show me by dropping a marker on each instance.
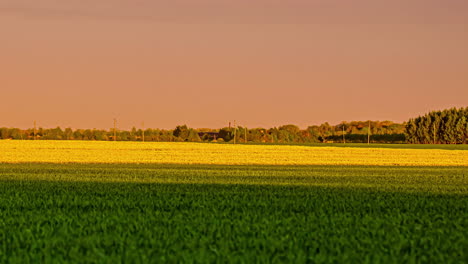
(170, 213)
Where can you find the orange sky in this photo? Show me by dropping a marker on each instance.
(207, 62)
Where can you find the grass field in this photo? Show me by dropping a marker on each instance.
(117, 202)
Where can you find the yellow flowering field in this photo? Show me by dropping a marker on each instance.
(222, 154)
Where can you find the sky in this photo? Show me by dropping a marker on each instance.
(204, 63)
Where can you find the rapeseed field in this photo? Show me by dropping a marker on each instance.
(221, 154)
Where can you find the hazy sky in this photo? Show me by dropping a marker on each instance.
(264, 63)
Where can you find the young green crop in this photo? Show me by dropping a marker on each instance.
(108, 213)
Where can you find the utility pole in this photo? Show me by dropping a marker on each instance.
(143, 131)
(434, 133)
(368, 134)
(115, 129)
(235, 130)
(34, 129)
(245, 134)
(344, 139)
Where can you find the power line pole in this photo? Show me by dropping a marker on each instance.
(235, 131)
(434, 133)
(368, 134)
(344, 139)
(34, 129)
(143, 132)
(115, 129)
(245, 134)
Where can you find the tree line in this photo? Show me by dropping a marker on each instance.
(448, 126)
(353, 132)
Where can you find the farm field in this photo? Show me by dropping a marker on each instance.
(222, 154)
(175, 202)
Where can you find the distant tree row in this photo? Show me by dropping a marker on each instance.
(88, 134)
(439, 127)
(353, 132)
(356, 131)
